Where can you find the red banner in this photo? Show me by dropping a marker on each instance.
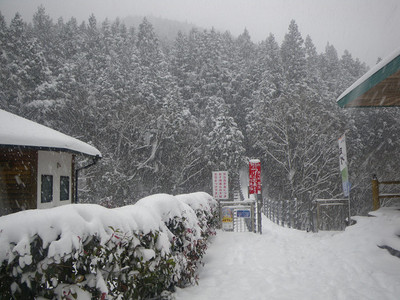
(254, 176)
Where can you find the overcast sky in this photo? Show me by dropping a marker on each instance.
(367, 28)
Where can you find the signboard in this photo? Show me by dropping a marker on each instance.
(344, 170)
(254, 176)
(243, 213)
(227, 218)
(220, 185)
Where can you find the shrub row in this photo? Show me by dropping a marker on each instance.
(84, 251)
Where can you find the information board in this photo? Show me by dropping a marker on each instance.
(227, 218)
(220, 185)
(243, 213)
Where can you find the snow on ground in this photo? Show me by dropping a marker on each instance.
(285, 263)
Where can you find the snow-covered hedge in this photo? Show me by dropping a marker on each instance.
(88, 251)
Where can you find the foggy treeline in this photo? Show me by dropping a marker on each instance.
(165, 115)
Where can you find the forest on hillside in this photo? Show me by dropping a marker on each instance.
(165, 115)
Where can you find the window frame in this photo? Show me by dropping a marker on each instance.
(49, 190)
(62, 188)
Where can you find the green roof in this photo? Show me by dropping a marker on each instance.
(380, 86)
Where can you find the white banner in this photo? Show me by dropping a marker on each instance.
(343, 164)
(220, 185)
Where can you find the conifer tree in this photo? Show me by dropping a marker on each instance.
(164, 118)
(293, 58)
(225, 148)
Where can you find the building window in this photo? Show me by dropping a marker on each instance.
(47, 188)
(64, 188)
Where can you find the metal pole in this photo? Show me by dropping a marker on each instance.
(259, 198)
(318, 216)
(220, 213)
(95, 160)
(348, 199)
(349, 210)
(253, 227)
(375, 192)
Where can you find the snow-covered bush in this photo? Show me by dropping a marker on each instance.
(88, 251)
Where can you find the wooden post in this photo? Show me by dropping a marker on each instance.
(375, 193)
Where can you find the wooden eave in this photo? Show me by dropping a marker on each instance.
(381, 89)
(43, 148)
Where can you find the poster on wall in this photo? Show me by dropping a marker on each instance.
(220, 185)
(227, 218)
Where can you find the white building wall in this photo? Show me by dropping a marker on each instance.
(56, 164)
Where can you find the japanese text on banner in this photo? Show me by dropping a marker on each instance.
(220, 185)
(254, 176)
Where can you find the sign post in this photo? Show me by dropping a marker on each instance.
(221, 192)
(255, 187)
(344, 170)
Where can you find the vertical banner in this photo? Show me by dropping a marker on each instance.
(255, 187)
(344, 170)
(220, 185)
(254, 176)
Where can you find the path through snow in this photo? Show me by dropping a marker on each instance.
(284, 263)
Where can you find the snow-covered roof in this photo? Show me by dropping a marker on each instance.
(254, 161)
(18, 131)
(380, 86)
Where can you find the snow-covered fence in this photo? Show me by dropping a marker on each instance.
(331, 214)
(321, 214)
(290, 213)
(91, 252)
(389, 190)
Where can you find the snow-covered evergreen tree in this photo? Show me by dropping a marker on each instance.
(294, 59)
(225, 151)
(165, 117)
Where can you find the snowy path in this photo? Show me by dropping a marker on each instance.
(289, 264)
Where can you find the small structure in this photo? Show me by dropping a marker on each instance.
(37, 164)
(379, 87)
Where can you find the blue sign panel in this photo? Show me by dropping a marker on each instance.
(346, 188)
(243, 213)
